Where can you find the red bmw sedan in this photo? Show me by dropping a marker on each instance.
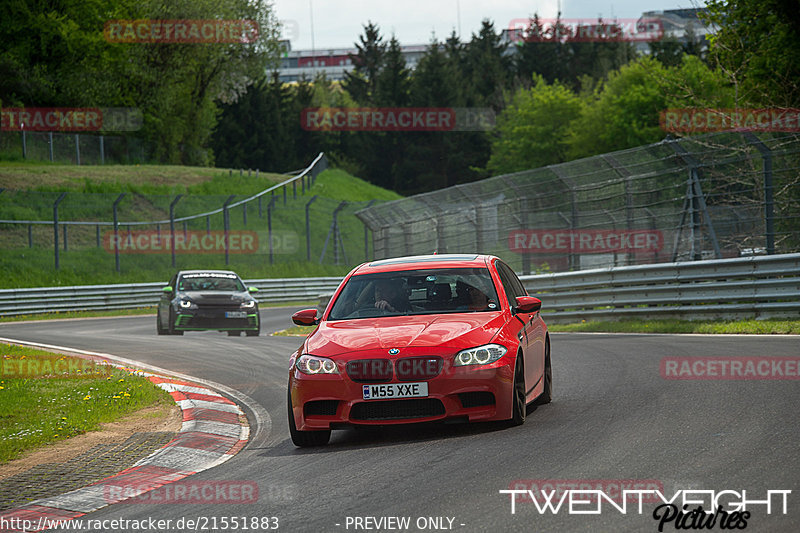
(419, 339)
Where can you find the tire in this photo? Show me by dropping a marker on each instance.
(253, 332)
(171, 326)
(159, 330)
(547, 394)
(304, 439)
(519, 406)
(234, 333)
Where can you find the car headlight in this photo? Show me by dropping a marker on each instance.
(482, 355)
(308, 364)
(188, 304)
(248, 304)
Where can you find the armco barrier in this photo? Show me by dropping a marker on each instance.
(750, 287)
(137, 295)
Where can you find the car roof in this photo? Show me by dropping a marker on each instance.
(416, 262)
(207, 271)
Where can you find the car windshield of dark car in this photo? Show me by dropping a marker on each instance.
(210, 283)
(416, 292)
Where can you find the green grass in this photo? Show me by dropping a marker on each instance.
(295, 331)
(47, 397)
(144, 179)
(83, 263)
(768, 327)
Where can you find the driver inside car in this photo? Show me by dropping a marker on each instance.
(390, 296)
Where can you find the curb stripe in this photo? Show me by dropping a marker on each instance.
(213, 431)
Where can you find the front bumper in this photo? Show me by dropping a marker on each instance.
(468, 393)
(215, 319)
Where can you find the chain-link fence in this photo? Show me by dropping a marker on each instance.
(720, 195)
(75, 148)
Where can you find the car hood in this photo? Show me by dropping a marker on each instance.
(455, 331)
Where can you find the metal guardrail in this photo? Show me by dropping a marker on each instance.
(14, 302)
(726, 289)
(752, 287)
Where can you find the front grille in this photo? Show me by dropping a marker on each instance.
(397, 409)
(321, 408)
(418, 368)
(476, 399)
(218, 322)
(370, 370)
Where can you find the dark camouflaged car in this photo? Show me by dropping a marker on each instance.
(199, 300)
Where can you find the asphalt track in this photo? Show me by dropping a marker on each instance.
(613, 417)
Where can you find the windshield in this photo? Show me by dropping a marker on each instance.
(416, 292)
(210, 282)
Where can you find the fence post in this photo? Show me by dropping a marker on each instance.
(172, 227)
(227, 222)
(769, 201)
(102, 151)
(24, 144)
(116, 230)
(308, 228)
(366, 237)
(50, 134)
(270, 205)
(244, 214)
(77, 150)
(698, 202)
(97, 234)
(55, 226)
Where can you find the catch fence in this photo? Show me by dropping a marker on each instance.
(715, 196)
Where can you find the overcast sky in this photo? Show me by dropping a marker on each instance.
(338, 23)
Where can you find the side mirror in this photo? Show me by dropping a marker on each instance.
(527, 304)
(167, 290)
(252, 289)
(306, 317)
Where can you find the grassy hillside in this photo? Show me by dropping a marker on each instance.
(149, 190)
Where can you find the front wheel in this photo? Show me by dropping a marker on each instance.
(304, 439)
(519, 408)
(159, 328)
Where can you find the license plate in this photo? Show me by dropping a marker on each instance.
(235, 314)
(395, 390)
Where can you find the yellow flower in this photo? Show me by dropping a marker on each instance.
(121, 380)
(1, 387)
(63, 418)
(87, 397)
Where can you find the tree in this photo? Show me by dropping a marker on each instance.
(532, 130)
(362, 82)
(624, 112)
(758, 46)
(55, 54)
